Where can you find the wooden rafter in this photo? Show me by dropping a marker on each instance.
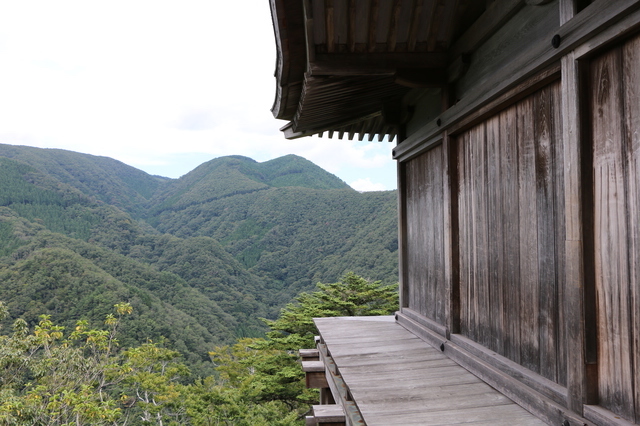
(330, 24)
(383, 63)
(416, 11)
(373, 24)
(394, 18)
(434, 25)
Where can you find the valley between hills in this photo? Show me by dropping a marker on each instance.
(201, 258)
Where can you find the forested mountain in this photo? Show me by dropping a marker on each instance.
(200, 258)
(105, 179)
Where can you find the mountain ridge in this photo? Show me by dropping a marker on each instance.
(226, 244)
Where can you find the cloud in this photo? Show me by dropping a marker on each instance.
(154, 84)
(364, 185)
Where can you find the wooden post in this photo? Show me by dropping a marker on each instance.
(402, 236)
(450, 216)
(581, 382)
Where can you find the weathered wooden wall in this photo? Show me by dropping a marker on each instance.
(511, 233)
(425, 235)
(540, 213)
(615, 117)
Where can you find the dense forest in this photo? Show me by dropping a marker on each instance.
(59, 376)
(200, 259)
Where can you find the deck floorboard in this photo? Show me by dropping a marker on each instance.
(395, 378)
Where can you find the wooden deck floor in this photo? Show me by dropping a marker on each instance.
(395, 378)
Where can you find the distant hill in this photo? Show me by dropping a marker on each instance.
(234, 175)
(201, 258)
(106, 179)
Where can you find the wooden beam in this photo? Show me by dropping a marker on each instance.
(421, 78)
(289, 133)
(328, 414)
(574, 280)
(373, 24)
(383, 63)
(415, 24)
(412, 147)
(309, 354)
(458, 67)
(315, 374)
(543, 407)
(601, 416)
(394, 17)
(351, 22)
(588, 23)
(497, 13)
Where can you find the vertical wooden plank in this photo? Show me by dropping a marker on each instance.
(631, 75)
(560, 234)
(408, 256)
(425, 240)
(402, 234)
(510, 208)
(439, 164)
(577, 183)
(463, 233)
(529, 282)
(544, 166)
(480, 215)
(451, 234)
(417, 277)
(426, 220)
(578, 312)
(611, 255)
(484, 295)
(495, 216)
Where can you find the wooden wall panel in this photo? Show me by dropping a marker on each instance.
(425, 235)
(615, 118)
(631, 65)
(511, 233)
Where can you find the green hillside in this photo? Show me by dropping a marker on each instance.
(201, 258)
(105, 179)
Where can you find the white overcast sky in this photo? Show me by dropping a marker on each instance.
(160, 85)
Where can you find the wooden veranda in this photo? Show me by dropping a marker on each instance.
(394, 378)
(518, 145)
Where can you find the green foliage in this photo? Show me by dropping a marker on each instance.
(351, 296)
(105, 179)
(267, 370)
(200, 258)
(54, 377)
(52, 380)
(294, 237)
(69, 280)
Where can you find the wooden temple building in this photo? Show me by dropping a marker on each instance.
(517, 137)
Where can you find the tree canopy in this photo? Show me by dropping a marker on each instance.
(53, 375)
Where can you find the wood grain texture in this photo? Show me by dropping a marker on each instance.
(529, 60)
(631, 81)
(511, 233)
(577, 291)
(425, 235)
(615, 117)
(397, 379)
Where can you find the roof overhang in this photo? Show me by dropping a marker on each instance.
(344, 66)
